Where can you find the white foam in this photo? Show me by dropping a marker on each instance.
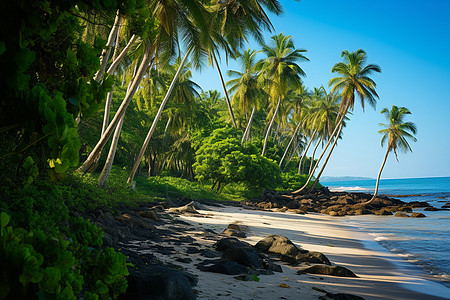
(348, 188)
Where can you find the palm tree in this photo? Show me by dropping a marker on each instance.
(397, 133)
(281, 68)
(245, 89)
(353, 82)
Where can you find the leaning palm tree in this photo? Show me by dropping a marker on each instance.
(397, 133)
(281, 68)
(354, 81)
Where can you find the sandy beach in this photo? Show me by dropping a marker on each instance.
(381, 274)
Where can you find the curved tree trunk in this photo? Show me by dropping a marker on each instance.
(312, 157)
(91, 162)
(290, 142)
(230, 110)
(155, 121)
(326, 160)
(378, 177)
(122, 54)
(306, 151)
(323, 152)
(107, 52)
(270, 126)
(249, 125)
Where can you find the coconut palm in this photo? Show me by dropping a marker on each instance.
(281, 68)
(354, 81)
(245, 89)
(397, 132)
(174, 18)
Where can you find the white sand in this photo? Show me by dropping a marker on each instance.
(382, 275)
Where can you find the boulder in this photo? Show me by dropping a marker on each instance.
(153, 282)
(229, 243)
(149, 214)
(340, 296)
(246, 256)
(446, 205)
(328, 270)
(313, 257)
(277, 244)
(223, 267)
(188, 208)
(401, 214)
(234, 230)
(417, 215)
(383, 212)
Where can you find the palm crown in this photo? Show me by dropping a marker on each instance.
(397, 131)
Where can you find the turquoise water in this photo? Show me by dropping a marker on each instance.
(426, 241)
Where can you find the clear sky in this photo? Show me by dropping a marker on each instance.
(410, 41)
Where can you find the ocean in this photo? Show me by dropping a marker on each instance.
(425, 241)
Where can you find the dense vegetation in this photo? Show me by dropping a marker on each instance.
(82, 76)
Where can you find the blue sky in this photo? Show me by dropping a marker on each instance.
(410, 41)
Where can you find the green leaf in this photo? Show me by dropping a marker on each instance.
(4, 219)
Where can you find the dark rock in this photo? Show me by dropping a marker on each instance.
(210, 253)
(188, 208)
(341, 296)
(234, 230)
(383, 212)
(153, 282)
(294, 204)
(246, 256)
(229, 243)
(269, 265)
(223, 267)
(185, 260)
(244, 277)
(418, 204)
(446, 205)
(313, 257)
(431, 208)
(401, 214)
(417, 215)
(328, 270)
(192, 250)
(277, 244)
(407, 209)
(150, 214)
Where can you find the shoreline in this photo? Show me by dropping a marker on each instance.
(382, 274)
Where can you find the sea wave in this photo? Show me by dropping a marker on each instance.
(348, 188)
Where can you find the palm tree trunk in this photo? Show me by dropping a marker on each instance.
(323, 152)
(122, 54)
(230, 110)
(249, 125)
(104, 175)
(91, 162)
(110, 94)
(107, 52)
(312, 157)
(270, 126)
(326, 160)
(290, 142)
(306, 151)
(155, 121)
(378, 178)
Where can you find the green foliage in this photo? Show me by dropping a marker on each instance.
(291, 181)
(50, 266)
(222, 159)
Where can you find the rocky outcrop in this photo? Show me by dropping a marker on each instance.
(327, 270)
(234, 230)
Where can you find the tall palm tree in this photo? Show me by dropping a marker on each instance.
(281, 68)
(187, 18)
(397, 132)
(245, 89)
(234, 21)
(354, 81)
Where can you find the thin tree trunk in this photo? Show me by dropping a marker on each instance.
(103, 178)
(326, 160)
(122, 54)
(313, 155)
(290, 142)
(306, 151)
(230, 110)
(91, 162)
(323, 152)
(107, 51)
(249, 125)
(155, 121)
(378, 178)
(270, 126)
(110, 94)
